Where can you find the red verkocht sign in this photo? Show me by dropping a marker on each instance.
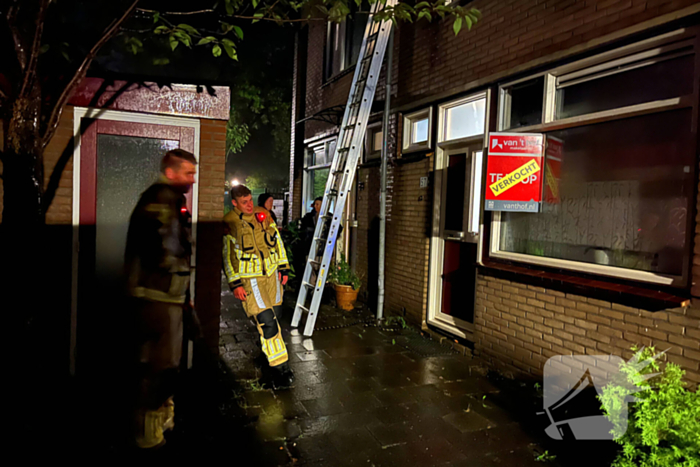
(515, 171)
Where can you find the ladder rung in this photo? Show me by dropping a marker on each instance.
(309, 285)
(303, 307)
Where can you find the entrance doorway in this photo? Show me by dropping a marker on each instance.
(117, 158)
(456, 230)
(455, 238)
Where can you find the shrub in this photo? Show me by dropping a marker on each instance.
(664, 422)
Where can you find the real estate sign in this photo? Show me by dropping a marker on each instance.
(515, 171)
(554, 154)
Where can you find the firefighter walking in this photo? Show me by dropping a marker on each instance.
(256, 267)
(157, 260)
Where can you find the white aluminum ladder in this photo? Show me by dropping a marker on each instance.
(342, 171)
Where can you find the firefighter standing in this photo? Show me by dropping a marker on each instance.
(157, 260)
(256, 266)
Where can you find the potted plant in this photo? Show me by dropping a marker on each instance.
(345, 283)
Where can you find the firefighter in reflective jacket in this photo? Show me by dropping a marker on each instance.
(256, 266)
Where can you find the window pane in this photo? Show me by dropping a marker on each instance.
(356, 31)
(624, 197)
(330, 151)
(419, 132)
(309, 158)
(525, 102)
(454, 196)
(319, 178)
(126, 167)
(459, 280)
(335, 49)
(662, 80)
(377, 141)
(465, 120)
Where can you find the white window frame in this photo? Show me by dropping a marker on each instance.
(442, 117)
(473, 222)
(408, 121)
(606, 61)
(369, 153)
(316, 146)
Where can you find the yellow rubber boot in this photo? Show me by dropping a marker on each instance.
(150, 434)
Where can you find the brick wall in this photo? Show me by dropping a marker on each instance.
(212, 169)
(407, 248)
(511, 33)
(59, 152)
(520, 326)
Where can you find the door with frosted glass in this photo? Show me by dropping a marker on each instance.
(454, 285)
(118, 161)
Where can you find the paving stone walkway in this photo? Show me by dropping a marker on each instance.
(367, 395)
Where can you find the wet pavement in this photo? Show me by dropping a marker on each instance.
(364, 395)
(369, 395)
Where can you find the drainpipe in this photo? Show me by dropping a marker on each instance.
(382, 189)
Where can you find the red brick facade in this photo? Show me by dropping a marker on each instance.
(517, 326)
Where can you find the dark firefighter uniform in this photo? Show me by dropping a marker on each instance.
(157, 259)
(253, 254)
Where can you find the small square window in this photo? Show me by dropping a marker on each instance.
(523, 104)
(373, 144)
(419, 133)
(464, 118)
(417, 129)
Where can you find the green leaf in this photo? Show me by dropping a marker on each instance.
(468, 20)
(206, 40)
(44, 48)
(229, 8)
(174, 42)
(156, 17)
(188, 28)
(230, 51)
(161, 61)
(238, 31)
(257, 17)
(228, 41)
(216, 51)
(457, 25)
(161, 30)
(255, 3)
(393, 342)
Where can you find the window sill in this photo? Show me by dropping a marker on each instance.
(371, 163)
(416, 148)
(338, 76)
(636, 297)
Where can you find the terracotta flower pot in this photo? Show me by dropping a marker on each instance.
(345, 296)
